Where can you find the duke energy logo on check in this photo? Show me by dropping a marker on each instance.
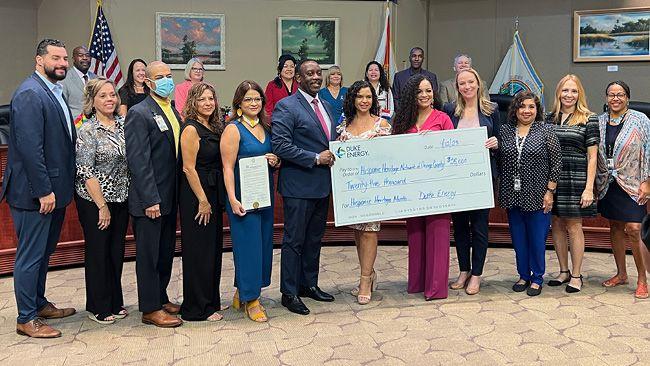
(352, 151)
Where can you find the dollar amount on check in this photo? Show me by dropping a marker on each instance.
(411, 175)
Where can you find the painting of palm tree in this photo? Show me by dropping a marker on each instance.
(314, 38)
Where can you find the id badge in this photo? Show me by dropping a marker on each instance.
(610, 164)
(517, 184)
(160, 121)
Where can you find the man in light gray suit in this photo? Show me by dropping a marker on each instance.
(75, 82)
(447, 89)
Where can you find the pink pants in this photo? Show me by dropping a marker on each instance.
(428, 239)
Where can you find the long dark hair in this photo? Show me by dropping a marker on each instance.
(407, 110)
(238, 98)
(349, 109)
(129, 85)
(191, 109)
(384, 85)
(281, 61)
(518, 101)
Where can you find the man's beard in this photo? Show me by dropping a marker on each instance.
(51, 73)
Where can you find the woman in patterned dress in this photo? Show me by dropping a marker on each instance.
(577, 130)
(623, 181)
(362, 122)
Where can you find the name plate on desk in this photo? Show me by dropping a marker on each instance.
(410, 175)
(254, 182)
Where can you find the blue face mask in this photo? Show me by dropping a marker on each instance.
(164, 87)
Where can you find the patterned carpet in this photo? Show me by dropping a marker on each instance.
(597, 326)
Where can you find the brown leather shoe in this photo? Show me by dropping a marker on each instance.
(50, 311)
(36, 328)
(171, 308)
(161, 318)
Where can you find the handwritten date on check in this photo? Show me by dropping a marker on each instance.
(411, 175)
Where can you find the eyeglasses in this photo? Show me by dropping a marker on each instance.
(197, 69)
(250, 100)
(619, 96)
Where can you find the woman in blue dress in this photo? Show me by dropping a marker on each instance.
(334, 91)
(249, 135)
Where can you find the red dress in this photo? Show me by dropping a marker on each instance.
(274, 93)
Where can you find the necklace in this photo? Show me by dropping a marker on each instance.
(616, 121)
(251, 122)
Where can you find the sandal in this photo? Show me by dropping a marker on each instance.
(615, 281)
(365, 299)
(572, 290)
(641, 290)
(121, 314)
(109, 319)
(555, 282)
(236, 304)
(215, 317)
(257, 316)
(355, 291)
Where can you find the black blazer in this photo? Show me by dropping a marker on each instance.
(493, 124)
(152, 159)
(41, 156)
(297, 136)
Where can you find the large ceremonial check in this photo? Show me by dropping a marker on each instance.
(411, 175)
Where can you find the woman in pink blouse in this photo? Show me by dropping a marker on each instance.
(194, 73)
(428, 236)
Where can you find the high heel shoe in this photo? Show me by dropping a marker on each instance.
(641, 290)
(256, 316)
(556, 282)
(473, 290)
(236, 304)
(460, 285)
(572, 290)
(365, 299)
(355, 291)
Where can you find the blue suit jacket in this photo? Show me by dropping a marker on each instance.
(492, 122)
(152, 159)
(41, 156)
(297, 137)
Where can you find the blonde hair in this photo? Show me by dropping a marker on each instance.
(329, 71)
(189, 65)
(90, 92)
(485, 106)
(582, 112)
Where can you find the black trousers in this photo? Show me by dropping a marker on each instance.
(304, 226)
(104, 256)
(471, 232)
(155, 240)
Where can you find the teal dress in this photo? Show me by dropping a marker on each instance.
(252, 234)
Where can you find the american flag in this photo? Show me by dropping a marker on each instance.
(103, 56)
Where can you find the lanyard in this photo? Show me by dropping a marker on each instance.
(519, 144)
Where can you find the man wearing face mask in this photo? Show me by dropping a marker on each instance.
(152, 130)
(74, 84)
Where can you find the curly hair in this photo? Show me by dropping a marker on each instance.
(349, 109)
(191, 109)
(384, 85)
(407, 109)
(238, 98)
(518, 102)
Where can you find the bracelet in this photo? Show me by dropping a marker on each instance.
(102, 206)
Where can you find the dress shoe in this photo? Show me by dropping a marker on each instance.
(50, 311)
(36, 328)
(161, 318)
(294, 304)
(520, 287)
(316, 294)
(534, 291)
(171, 308)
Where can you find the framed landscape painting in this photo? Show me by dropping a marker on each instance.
(315, 38)
(180, 37)
(611, 35)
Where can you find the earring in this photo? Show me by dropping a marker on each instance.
(239, 112)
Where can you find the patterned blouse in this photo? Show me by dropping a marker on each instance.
(101, 154)
(631, 154)
(541, 162)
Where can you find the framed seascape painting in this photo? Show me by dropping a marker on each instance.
(180, 37)
(315, 38)
(611, 35)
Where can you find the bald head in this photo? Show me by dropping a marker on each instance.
(158, 70)
(81, 58)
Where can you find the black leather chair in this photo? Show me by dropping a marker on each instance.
(643, 107)
(503, 101)
(5, 114)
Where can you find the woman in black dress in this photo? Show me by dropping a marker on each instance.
(201, 200)
(134, 90)
(577, 130)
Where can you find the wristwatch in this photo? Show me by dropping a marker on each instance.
(317, 159)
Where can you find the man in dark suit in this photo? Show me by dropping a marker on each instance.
(303, 125)
(416, 58)
(39, 183)
(152, 130)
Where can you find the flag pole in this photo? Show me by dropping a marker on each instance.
(92, 30)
